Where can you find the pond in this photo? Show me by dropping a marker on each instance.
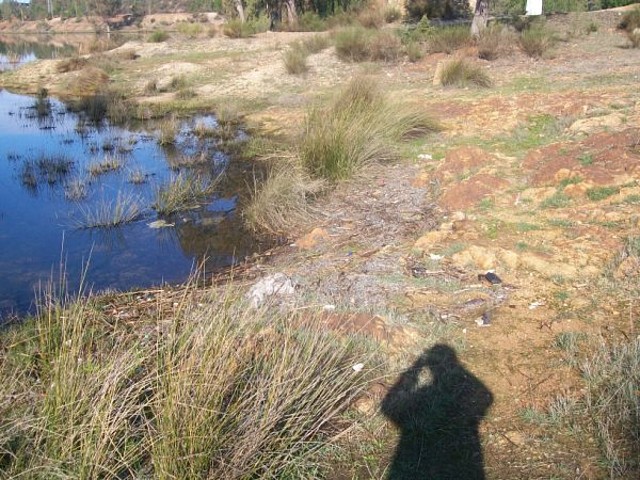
(16, 50)
(61, 175)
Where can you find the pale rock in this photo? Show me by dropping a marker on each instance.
(276, 284)
(562, 174)
(509, 258)
(590, 125)
(458, 216)
(575, 190)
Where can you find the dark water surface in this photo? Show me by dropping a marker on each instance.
(39, 221)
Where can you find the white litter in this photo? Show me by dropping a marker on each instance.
(276, 284)
(358, 367)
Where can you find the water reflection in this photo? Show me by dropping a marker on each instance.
(55, 175)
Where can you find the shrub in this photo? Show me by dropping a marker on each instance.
(168, 131)
(447, 9)
(191, 30)
(316, 43)
(71, 64)
(449, 39)
(352, 44)
(630, 20)
(295, 59)
(311, 22)
(358, 127)
(392, 14)
(536, 41)
(385, 46)
(461, 73)
(158, 36)
(371, 17)
(414, 51)
(281, 200)
(493, 42)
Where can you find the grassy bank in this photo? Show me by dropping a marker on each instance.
(202, 387)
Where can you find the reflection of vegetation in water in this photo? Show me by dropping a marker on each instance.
(50, 169)
(41, 50)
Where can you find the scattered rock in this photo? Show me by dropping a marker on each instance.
(276, 284)
(590, 125)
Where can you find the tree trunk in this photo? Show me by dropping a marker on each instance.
(480, 17)
(240, 9)
(292, 15)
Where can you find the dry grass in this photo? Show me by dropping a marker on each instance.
(449, 39)
(537, 41)
(111, 213)
(282, 200)
(89, 81)
(494, 42)
(206, 388)
(461, 73)
(295, 59)
(71, 64)
(359, 126)
(184, 192)
(385, 46)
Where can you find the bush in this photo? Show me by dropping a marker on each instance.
(461, 73)
(449, 39)
(316, 43)
(392, 14)
(414, 51)
(158, 36)
(537, 41)
(295, 59)
(184, 192)
(371, 17)
(631, 20)
(446, 9)
(191, 30)
(235, 28)
(385, 46)
(352, 44)
(311, 22)
(358, 127)
(493, 42)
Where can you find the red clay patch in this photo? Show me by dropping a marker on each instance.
(468, 193)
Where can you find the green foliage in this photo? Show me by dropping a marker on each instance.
(461, 73)
(352, 44)
(596, 194)
(158, 36)
(449, 39)
(311, 22)
(537, 40)
(183, 192)
(446, 9)
(385, 46)
(358, 127)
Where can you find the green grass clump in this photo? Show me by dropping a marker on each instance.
(596, 194)
(352, 44)
(493, 42)
(537, 41)
(158, 36)
(612, 402)
(385, 46)
(207, 389)
(295, 59)
(184, 192)
(316, 43)
(358, 127)
(557, 200)
(191, 30)
(282, 199)
(461, 73)
(108, 164)
(449, 39)
(235, 28)
(111, 213)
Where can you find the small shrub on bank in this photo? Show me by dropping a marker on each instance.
(537, 41)
(493, 42)
(358, 127)
(158, 36)
(295, 59)
(385, 46)
(352, 44)
(461, 73)
(449, 39)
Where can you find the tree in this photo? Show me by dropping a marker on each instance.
(480, 16)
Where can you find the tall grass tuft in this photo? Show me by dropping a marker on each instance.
(184, 192)
(352, 44)
(613, 404)
(282, 199)
(125, 208)
(207, 390)
(493, 42)
(358, 127)
(537, 40)
(295, 59)
(461, 73)
(449, 39)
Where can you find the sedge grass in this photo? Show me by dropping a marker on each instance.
(125, 208)
(358, 127)
(461, 73)
(209, 388)
(184, 192)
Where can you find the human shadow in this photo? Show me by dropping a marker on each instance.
(438, 421)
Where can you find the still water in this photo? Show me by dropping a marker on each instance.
(42, 208)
